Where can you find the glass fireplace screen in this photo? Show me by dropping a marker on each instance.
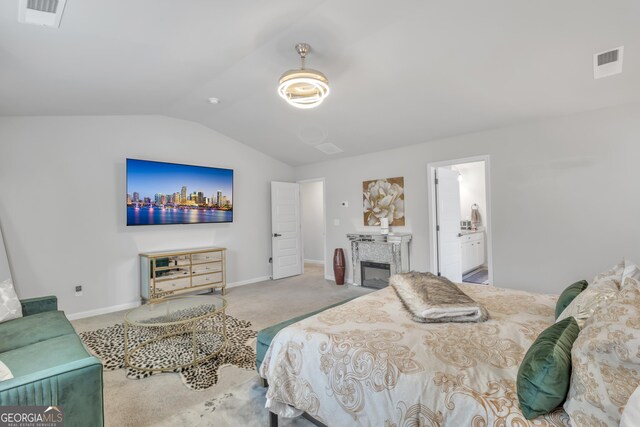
(375, 274)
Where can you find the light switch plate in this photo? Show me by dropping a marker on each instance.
(336, 222)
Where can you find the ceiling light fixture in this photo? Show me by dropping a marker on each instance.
(303, 88)
(214, 100)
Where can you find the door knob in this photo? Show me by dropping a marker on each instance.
(459, 234)
(276, 235)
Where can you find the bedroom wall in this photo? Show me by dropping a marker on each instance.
(312, 200)
(564, 195)
(62, 210)
(5, 271)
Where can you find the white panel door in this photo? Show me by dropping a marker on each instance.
(448, 224)
(286, 245)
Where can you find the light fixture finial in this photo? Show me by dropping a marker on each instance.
(302, 49)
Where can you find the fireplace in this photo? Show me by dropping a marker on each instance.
(375, 274)
(377, 256)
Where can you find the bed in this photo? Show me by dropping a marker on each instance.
(366, 363)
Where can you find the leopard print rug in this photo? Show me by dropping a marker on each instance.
(108, 345)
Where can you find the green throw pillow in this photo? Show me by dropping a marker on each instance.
(545, 372)
(568, 295)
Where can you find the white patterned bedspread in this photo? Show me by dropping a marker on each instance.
(366, 363)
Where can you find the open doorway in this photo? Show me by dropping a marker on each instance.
(460, 220)
(313, 224)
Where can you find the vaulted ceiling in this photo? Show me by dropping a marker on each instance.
(401, 72)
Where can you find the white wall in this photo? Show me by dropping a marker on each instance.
(312, 200)
(564, 193)
(5, 272)
(62, 210)
(472, 189)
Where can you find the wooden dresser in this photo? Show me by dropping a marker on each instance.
(168, 273)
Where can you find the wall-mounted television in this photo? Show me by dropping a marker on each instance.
(161, 193)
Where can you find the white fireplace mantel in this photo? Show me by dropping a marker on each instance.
(392, 249)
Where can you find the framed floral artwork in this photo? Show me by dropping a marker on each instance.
(383, 198)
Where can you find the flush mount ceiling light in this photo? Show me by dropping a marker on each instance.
(303, 88)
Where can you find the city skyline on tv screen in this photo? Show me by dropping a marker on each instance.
(169, 193)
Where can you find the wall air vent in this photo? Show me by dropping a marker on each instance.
(329, 148)
(607, 63)
(41, 12)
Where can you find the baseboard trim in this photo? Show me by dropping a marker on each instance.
(104, 310)
(347, 280)
(314, 261)
(134, 304)
(248, 282)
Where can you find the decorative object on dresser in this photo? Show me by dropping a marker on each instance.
(376, 257)
(167, 273)
(339, 266)
(383, 198)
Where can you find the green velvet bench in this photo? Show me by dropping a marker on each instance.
(266, 335)
(50, 365)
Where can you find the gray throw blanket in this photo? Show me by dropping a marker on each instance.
(433, 299)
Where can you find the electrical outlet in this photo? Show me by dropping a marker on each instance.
(79, 290)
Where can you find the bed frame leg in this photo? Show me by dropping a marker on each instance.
(273, 419)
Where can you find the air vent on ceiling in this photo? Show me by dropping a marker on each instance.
(41, 12)
(329, 148)
(608, 63)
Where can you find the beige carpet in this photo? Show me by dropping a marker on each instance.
(163, 400)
